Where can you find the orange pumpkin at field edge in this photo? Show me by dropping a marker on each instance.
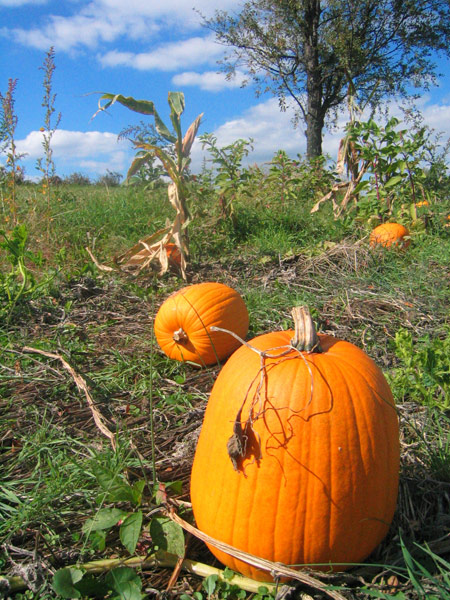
(183, 323)
(298, 456)
(173, 254)
(389, 234)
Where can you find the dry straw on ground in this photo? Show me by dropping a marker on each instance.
(424, 502)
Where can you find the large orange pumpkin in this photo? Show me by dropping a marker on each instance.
(183, 323)
(298, 456)
(389, 234)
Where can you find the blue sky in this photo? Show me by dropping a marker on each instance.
(141, 48)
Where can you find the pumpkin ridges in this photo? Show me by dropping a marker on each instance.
(231, 484)
(194, 309)
(389, 234)
(357, 451)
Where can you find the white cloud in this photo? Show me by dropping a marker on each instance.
(70, 143)
(438, 117)
(270, 129)
(168, 57)
(209, 81)
(82, 30)
(108, 20)
(76, 151)
(173, 11)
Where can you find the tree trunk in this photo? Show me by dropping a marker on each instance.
(315, 116)
(314, 126)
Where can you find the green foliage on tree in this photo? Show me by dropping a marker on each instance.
(310, 51)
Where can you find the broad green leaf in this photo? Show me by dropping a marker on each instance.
(129, 591)
(64, 581)
(104, 519)
(92, 587)
(130, 531)
(97, 540)
(116, 486)
(126, 583)
(138, 488)
(120, 575)
(401, 165)
(393, 181)
(210, 584)
(144, 107)
(361, 185)
(167, 535)
(175, 486)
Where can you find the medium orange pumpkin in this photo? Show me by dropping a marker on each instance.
(389, 234)
(182, 323)
(298, 456)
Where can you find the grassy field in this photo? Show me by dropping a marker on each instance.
(96, 420)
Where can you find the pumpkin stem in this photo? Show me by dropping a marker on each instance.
(305, 338)
(180, 336)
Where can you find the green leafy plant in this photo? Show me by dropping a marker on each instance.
(129, 521)
(118, 584)
(214, 587)
(19, 283)
(230, 177)
(283, 173)
(393, 160)
(424, 371)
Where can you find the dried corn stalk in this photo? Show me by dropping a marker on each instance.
(152, 250)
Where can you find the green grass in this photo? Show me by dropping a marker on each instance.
(392, 304)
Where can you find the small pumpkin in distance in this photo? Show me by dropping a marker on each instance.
(389, 234)
(298, 456)
(173, 254)
(171, 249)
(183, 323)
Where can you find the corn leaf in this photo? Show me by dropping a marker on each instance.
(137, 163)
(144, 107)
(189, 137)
(176, 103)
(167, 161)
